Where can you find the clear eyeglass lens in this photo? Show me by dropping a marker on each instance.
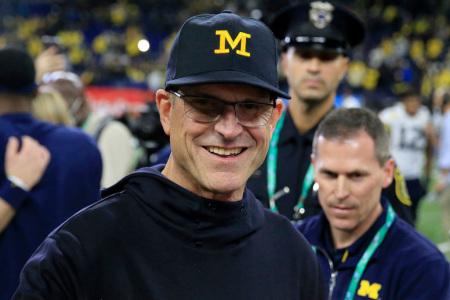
(208, 110)
(253, 114)
(202, 110)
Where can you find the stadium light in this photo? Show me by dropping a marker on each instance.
(143, 45)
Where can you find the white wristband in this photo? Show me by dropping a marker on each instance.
(18, 182)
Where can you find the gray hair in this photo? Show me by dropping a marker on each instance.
(348, 122)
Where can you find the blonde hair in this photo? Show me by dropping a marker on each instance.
(49, 105)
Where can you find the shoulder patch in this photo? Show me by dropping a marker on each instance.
(400, 188)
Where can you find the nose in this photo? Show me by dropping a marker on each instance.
(314, 64)
(341, 189)
(227, 124)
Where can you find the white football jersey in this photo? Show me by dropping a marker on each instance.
(407, 138)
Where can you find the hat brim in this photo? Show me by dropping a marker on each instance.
(317, 47)
(228, 76)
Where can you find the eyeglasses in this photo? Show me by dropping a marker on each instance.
(208, 110)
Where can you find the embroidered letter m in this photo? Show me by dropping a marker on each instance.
(225, 37)
(370, 290)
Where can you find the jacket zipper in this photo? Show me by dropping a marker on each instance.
(334, 273)
(332, 283)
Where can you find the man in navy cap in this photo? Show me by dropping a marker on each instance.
(190, 229)
(316, 38)
(30, 210)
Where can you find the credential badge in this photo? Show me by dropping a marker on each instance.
(320, 14)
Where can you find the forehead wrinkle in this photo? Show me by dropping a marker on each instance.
(337, 155)
(254, 94)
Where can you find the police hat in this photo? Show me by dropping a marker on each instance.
(224, 48)
(318, 25)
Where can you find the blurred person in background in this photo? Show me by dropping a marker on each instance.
(70, 182)
(49, 60)
(114, 139)
(49, 105)
(411, 132)
(443, 163)
(437, 106)
(24, 165)
(190, 229)
(147, 129)
(317, 39)
(364, 248)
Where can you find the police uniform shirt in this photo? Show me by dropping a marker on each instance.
(294, 158)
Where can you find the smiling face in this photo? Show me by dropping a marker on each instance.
(350, 181)
(313, 76)
(214, 160)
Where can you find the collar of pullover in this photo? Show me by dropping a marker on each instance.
(195, 220)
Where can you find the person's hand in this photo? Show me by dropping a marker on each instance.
(29, 163)
(49, 61)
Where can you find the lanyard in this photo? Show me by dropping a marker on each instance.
(299, 209)
(272, 162)
(272, 158)
(374, 244)
(362, 264)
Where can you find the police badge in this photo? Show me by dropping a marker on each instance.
(320, 14)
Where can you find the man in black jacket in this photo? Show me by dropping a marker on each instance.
(190, 229)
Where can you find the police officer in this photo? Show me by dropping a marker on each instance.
(316, 38)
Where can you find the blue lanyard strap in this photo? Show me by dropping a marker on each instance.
(272, 162)
(374, 244)
(272, 158)
(299, 209)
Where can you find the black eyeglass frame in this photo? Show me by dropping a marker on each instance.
(181, 96)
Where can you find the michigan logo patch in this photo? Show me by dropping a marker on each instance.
(369, 290)
(225, 37)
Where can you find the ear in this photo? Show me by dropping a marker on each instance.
(276, 114)
(164, 103)
(313, 163)
(313, 160)
(345, 61)
(388, 171)
(284, 62)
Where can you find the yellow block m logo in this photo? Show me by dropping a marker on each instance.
(370, 290)
(225, 37)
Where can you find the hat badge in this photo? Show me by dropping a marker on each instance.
(320, 14)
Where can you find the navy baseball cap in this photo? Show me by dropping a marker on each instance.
(224, 48)
(318, 25)
(17, 72)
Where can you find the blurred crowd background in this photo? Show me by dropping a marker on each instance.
(407, 42)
